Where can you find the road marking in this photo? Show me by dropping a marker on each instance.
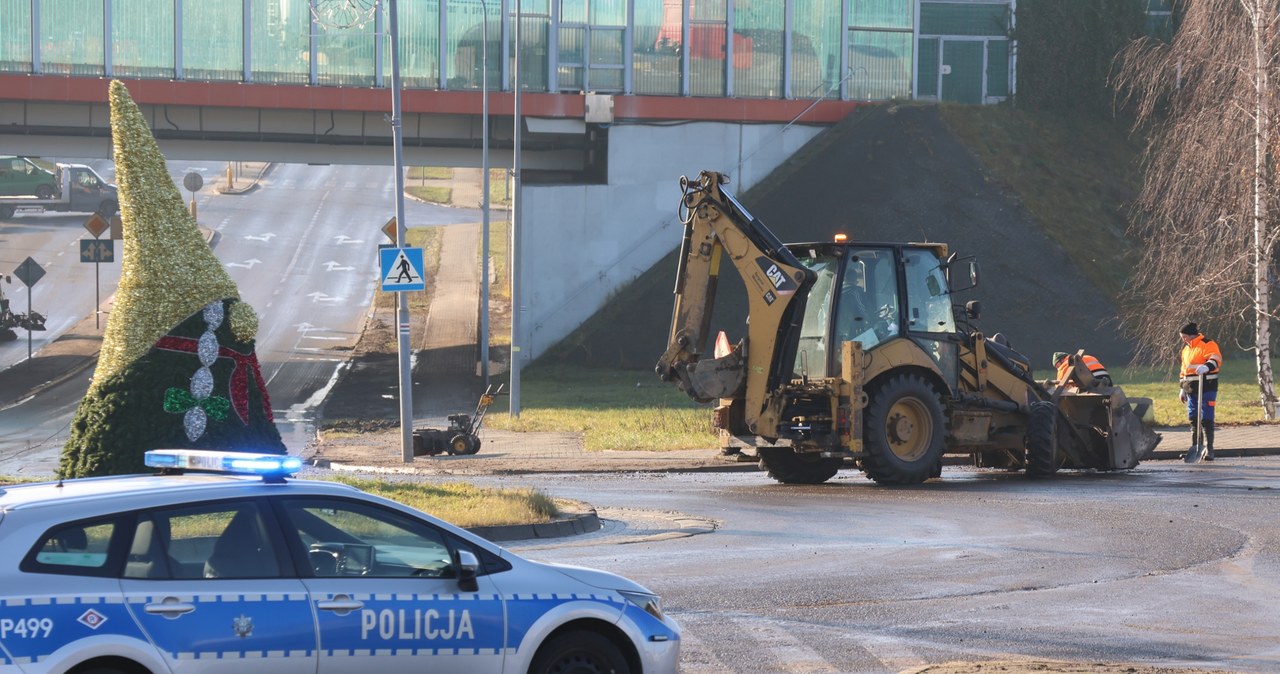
(247, 264)
(891, 651)
(788, 652)
(265, 237)
(780, 646)
(321, 297)
(696, 656)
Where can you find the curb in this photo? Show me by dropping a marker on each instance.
(621, 467)
(492, 209)
(579, 523)
(253, 183)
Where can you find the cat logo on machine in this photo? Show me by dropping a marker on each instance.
(782, 284)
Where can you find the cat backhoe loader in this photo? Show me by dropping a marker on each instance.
(855, 355)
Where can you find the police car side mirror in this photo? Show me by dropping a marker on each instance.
(467, 567)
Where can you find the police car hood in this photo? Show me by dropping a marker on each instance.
(595, 577)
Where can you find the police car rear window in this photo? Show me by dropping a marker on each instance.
(82, 548)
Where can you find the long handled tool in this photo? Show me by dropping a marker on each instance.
(1199, 446)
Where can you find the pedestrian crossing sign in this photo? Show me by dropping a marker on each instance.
(402, 269)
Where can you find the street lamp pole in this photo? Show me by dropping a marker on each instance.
(516, 203)
(402, 300)
(484, 203)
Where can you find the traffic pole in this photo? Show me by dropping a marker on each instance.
(97, 291)
(28, 318)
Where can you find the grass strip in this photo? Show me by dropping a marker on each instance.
(632, 410)
(431, 193)
(463, 505)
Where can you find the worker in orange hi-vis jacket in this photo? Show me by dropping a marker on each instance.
(1200, 356)
(1063, 362)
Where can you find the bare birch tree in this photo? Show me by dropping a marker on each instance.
(1203, 214)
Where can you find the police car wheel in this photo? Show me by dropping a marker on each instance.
(579, 653)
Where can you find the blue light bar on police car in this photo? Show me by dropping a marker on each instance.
(223, 462)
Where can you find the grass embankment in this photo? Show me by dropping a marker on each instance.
(1076, 174)
(632, 410)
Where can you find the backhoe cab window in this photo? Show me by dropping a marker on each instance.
(811, 356)
(928, 300)
(865, 309)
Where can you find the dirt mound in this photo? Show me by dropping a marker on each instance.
(887, 173)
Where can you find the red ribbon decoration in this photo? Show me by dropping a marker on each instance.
(239, 386)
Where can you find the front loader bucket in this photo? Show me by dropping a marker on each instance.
(1131, 440)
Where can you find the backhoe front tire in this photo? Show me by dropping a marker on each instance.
(1042, 440)
(788, 467)
(904, 431)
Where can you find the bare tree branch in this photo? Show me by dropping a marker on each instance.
(1210, 239)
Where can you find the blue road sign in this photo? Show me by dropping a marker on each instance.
(402, 269)
(94, 250)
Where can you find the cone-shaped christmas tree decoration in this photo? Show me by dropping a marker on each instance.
(177, 367)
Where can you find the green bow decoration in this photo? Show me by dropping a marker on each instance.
(177, 401)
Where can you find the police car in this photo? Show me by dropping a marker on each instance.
(188, 571)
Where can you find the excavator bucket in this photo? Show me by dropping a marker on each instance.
(707, 380)
(1109, 429)
(1131, 439)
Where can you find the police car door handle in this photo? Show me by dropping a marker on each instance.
(341, 604)
(170, 607)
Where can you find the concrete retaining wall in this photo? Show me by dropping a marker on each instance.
(581, 243)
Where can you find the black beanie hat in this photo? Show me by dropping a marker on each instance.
(1190, 329)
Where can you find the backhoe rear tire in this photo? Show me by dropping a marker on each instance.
(1042, 440)
(788, 467)
(904, 431)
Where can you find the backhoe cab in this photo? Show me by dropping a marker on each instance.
(855, 353)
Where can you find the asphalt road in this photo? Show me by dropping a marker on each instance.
(302, 248)
(1170, 564)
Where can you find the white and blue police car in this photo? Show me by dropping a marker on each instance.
(190, 571)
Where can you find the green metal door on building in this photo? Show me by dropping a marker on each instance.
(962, 70)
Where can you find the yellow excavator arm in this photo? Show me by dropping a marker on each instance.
(716, 226)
